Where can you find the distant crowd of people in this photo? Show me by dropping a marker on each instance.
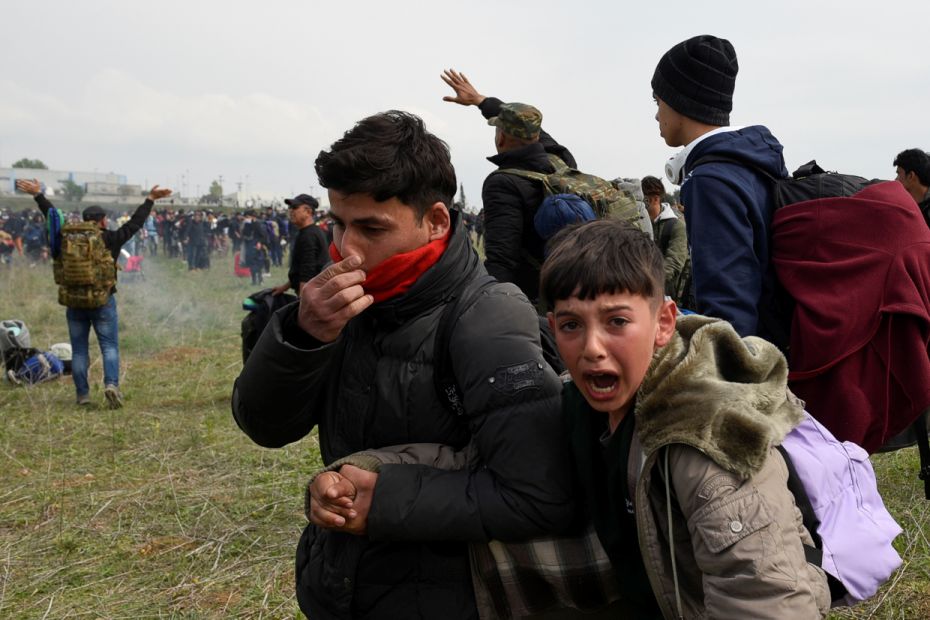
(265, 236)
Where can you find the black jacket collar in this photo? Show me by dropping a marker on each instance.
(530, 157)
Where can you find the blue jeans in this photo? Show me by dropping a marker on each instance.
(104, 321)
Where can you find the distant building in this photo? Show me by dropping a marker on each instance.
(99, 187)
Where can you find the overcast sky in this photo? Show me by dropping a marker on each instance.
(253, 91)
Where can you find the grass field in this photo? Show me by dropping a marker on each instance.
(164, 509)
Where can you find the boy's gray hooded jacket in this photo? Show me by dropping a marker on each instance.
(708, 415)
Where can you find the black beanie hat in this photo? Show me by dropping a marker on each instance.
(696, 78)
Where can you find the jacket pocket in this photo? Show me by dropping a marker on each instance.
(325, 571)
(741, 538)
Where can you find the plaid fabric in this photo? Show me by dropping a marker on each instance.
(512, 580)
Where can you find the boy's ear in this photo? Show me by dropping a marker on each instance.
(550, 316)
(665, 322)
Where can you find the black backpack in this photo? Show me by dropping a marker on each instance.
(261, 306)
(810, 182)
(443, 379)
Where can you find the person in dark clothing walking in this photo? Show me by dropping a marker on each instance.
(355, 359)
(234, 225)
(104, 319)
(197, 234)
(309, 254)
(170, 234)
(254, 244)
(513, 249)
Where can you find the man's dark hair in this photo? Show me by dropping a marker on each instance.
(390, 155)
(916, 161)
(602, 257)
(652, 186)
(93, 214)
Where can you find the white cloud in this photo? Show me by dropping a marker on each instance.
(117, 109)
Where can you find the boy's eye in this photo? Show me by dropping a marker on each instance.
(568, 326)
(618, 321)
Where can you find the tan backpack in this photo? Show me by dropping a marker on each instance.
(606, 199)
(85, 271)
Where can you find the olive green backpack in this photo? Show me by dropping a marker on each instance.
(84, 270)
(606, 199)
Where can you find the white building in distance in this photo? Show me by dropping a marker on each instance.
(99, 187)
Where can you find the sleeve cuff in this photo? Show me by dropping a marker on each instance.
(490, 107)
(292, 334)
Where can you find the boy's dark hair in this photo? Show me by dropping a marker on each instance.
(602, 257)
(652, 186)
(390, 155)
(916, 161)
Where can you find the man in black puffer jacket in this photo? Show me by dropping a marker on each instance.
(354, 358)
(513, 249)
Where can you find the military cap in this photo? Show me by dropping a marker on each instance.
(520, 120)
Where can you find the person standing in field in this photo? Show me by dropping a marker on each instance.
(355, 359)
(668, 231)
(513, 248)
(728, 199)
(103, 319)
(309, 253)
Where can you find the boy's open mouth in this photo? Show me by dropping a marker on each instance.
(601, 382)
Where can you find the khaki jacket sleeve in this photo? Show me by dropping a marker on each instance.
(747, 540)
(676, 254)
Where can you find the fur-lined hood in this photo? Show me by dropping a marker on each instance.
(721, 394)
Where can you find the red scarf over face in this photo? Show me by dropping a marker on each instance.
(395, 275)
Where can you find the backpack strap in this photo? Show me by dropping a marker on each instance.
(923, 447)
(814, 555)
(557, 163)
(723, 159)
(533, 176)
(448, 391)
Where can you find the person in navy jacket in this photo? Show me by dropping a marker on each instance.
(726, 187)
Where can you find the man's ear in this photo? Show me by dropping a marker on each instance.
(438, 219)
(665, 321)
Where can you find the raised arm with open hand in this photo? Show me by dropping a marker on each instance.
(465, 93)
(158, 192)
(30, 186)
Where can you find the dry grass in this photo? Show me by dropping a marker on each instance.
(164, 509)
